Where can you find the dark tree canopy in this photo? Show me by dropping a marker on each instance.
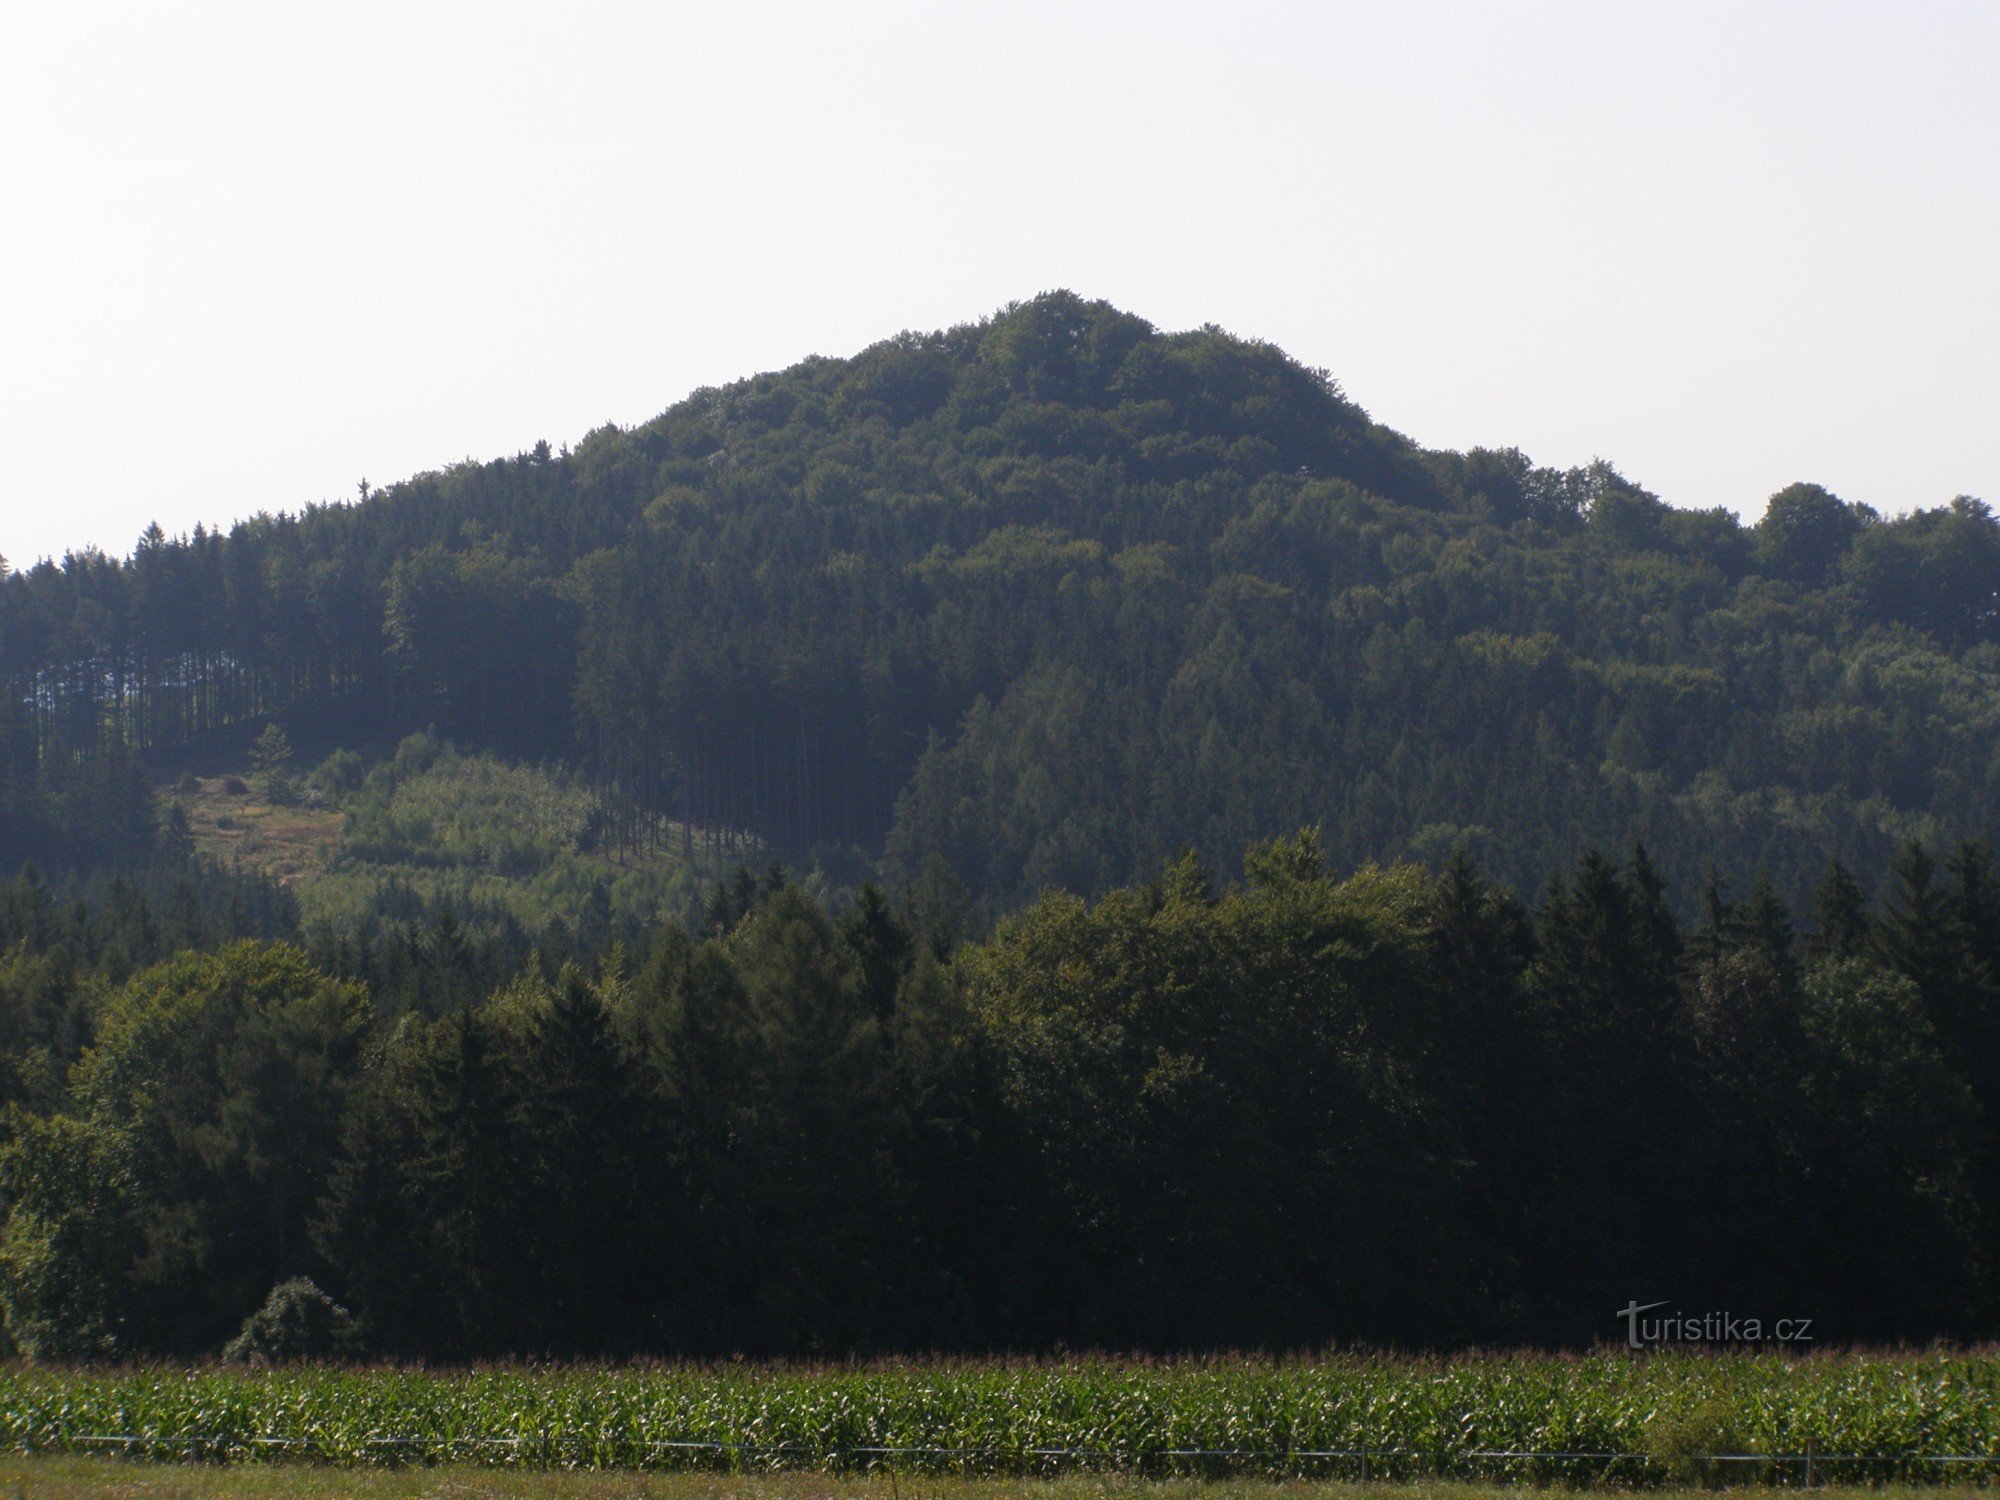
(1307, 1107)
(1642, 939)
(1049, 597)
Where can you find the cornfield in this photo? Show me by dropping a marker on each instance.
(1517, 1416)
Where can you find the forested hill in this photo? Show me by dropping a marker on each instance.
(1050, 597)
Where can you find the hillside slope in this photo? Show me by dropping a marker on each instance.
(1043, 599)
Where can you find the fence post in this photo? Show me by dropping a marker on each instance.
(1809, 1459)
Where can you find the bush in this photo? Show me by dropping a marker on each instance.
(340, 773)
(235, 786)
(414, 755)
(297, 1321)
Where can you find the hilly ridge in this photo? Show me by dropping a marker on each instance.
(1040, 601)
(462, 1001)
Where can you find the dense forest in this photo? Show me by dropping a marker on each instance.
(1395, 1107)
(1048, 599)
(1643, 940)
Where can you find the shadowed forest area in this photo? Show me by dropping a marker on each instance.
(1390, 1107)
(1048, 599)
(821, 872)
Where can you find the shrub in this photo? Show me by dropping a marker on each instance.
(340, 773)
(297, 1321)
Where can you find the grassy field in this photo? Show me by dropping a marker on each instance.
(1592, 1420)
(54, 1478)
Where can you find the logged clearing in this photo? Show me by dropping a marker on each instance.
(235, 823)
(355, 840)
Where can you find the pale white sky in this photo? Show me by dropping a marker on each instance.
(250, 253)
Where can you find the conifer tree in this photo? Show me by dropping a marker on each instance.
(593, 1213)
(1840, 915)
(465, 1173)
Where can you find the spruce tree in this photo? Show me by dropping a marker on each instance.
(1840, 916)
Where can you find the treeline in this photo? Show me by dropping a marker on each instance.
(1051, 596)
(1395, 1107)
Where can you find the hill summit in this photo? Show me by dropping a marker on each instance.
(1044, 599)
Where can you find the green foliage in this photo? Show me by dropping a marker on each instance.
(1682, 1443)
(200, 1133)
(1898, 1138)
(477, 861)
(271, 754)
(298, 1321)
(340, 773)
(431, 806)
(1807, 531)
(1162, 1050)
(66, 1253)
(1049, 598)
(1010, 618)
(1300, 1109)
(92, 812)
(1191, 1419)
(473, 627)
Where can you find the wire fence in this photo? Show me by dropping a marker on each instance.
(553, 1449)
